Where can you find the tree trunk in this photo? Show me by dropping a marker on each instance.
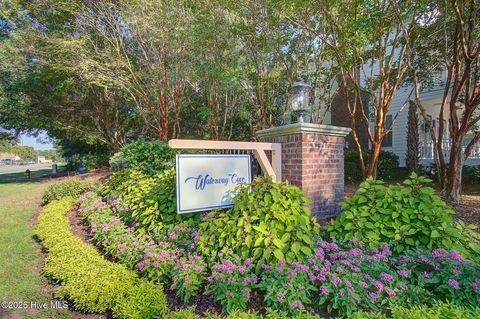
(373, 160)
(454, 181)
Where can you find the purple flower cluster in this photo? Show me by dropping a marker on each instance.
(288, 286)
(445, 274)
(232, 282)
(350, 277)
(183, 236)
(188, 275)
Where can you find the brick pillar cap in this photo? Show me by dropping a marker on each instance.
(297, 128)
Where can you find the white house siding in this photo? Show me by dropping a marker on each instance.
(400, 127)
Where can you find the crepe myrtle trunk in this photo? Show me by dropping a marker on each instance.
(453, 188)
(373, 160)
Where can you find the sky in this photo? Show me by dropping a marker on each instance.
(41, 142)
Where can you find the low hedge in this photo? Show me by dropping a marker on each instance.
(90, 281)
(189, 313)
(439, 310)
(68, 187)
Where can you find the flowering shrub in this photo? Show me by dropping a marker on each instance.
(445, 274)
(287, 287)
(188, 275)
(137, 250)
(91, 282)
(183, 236)
(231, 283)
(351, 277)
(345, 275)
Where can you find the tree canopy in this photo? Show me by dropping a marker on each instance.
(98, 74)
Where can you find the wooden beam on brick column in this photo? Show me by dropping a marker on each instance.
(273, 169)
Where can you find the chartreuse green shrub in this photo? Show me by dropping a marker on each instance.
(91, 282)
(438, 310)
(189, 313)
(67, 187)
(409, 215)
(148, 157)
(268, 222)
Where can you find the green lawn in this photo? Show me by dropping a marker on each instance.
(20, 256)
(20, 177)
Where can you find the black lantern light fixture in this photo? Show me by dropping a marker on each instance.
(298, 96)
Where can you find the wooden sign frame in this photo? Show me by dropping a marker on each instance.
(273, 169)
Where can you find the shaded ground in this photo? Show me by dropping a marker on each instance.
(469, 208)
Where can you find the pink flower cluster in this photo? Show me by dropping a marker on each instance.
(232, 282)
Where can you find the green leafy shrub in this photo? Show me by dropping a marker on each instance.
(268, 222)
(388, 165)
(148, 157)
(152, 200)
(410, 215)
(68, 187)
(89, 160)
(160, 203)
(471, 175)
(353, 172)
(91, 282)
(114, 184)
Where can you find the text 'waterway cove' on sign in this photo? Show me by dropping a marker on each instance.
(206, 182)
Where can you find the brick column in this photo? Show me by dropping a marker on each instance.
(312, 159)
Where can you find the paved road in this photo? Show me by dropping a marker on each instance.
(9, 169)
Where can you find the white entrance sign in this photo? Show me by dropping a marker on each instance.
(205, 182)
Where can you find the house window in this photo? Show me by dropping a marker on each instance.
(388, 138)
